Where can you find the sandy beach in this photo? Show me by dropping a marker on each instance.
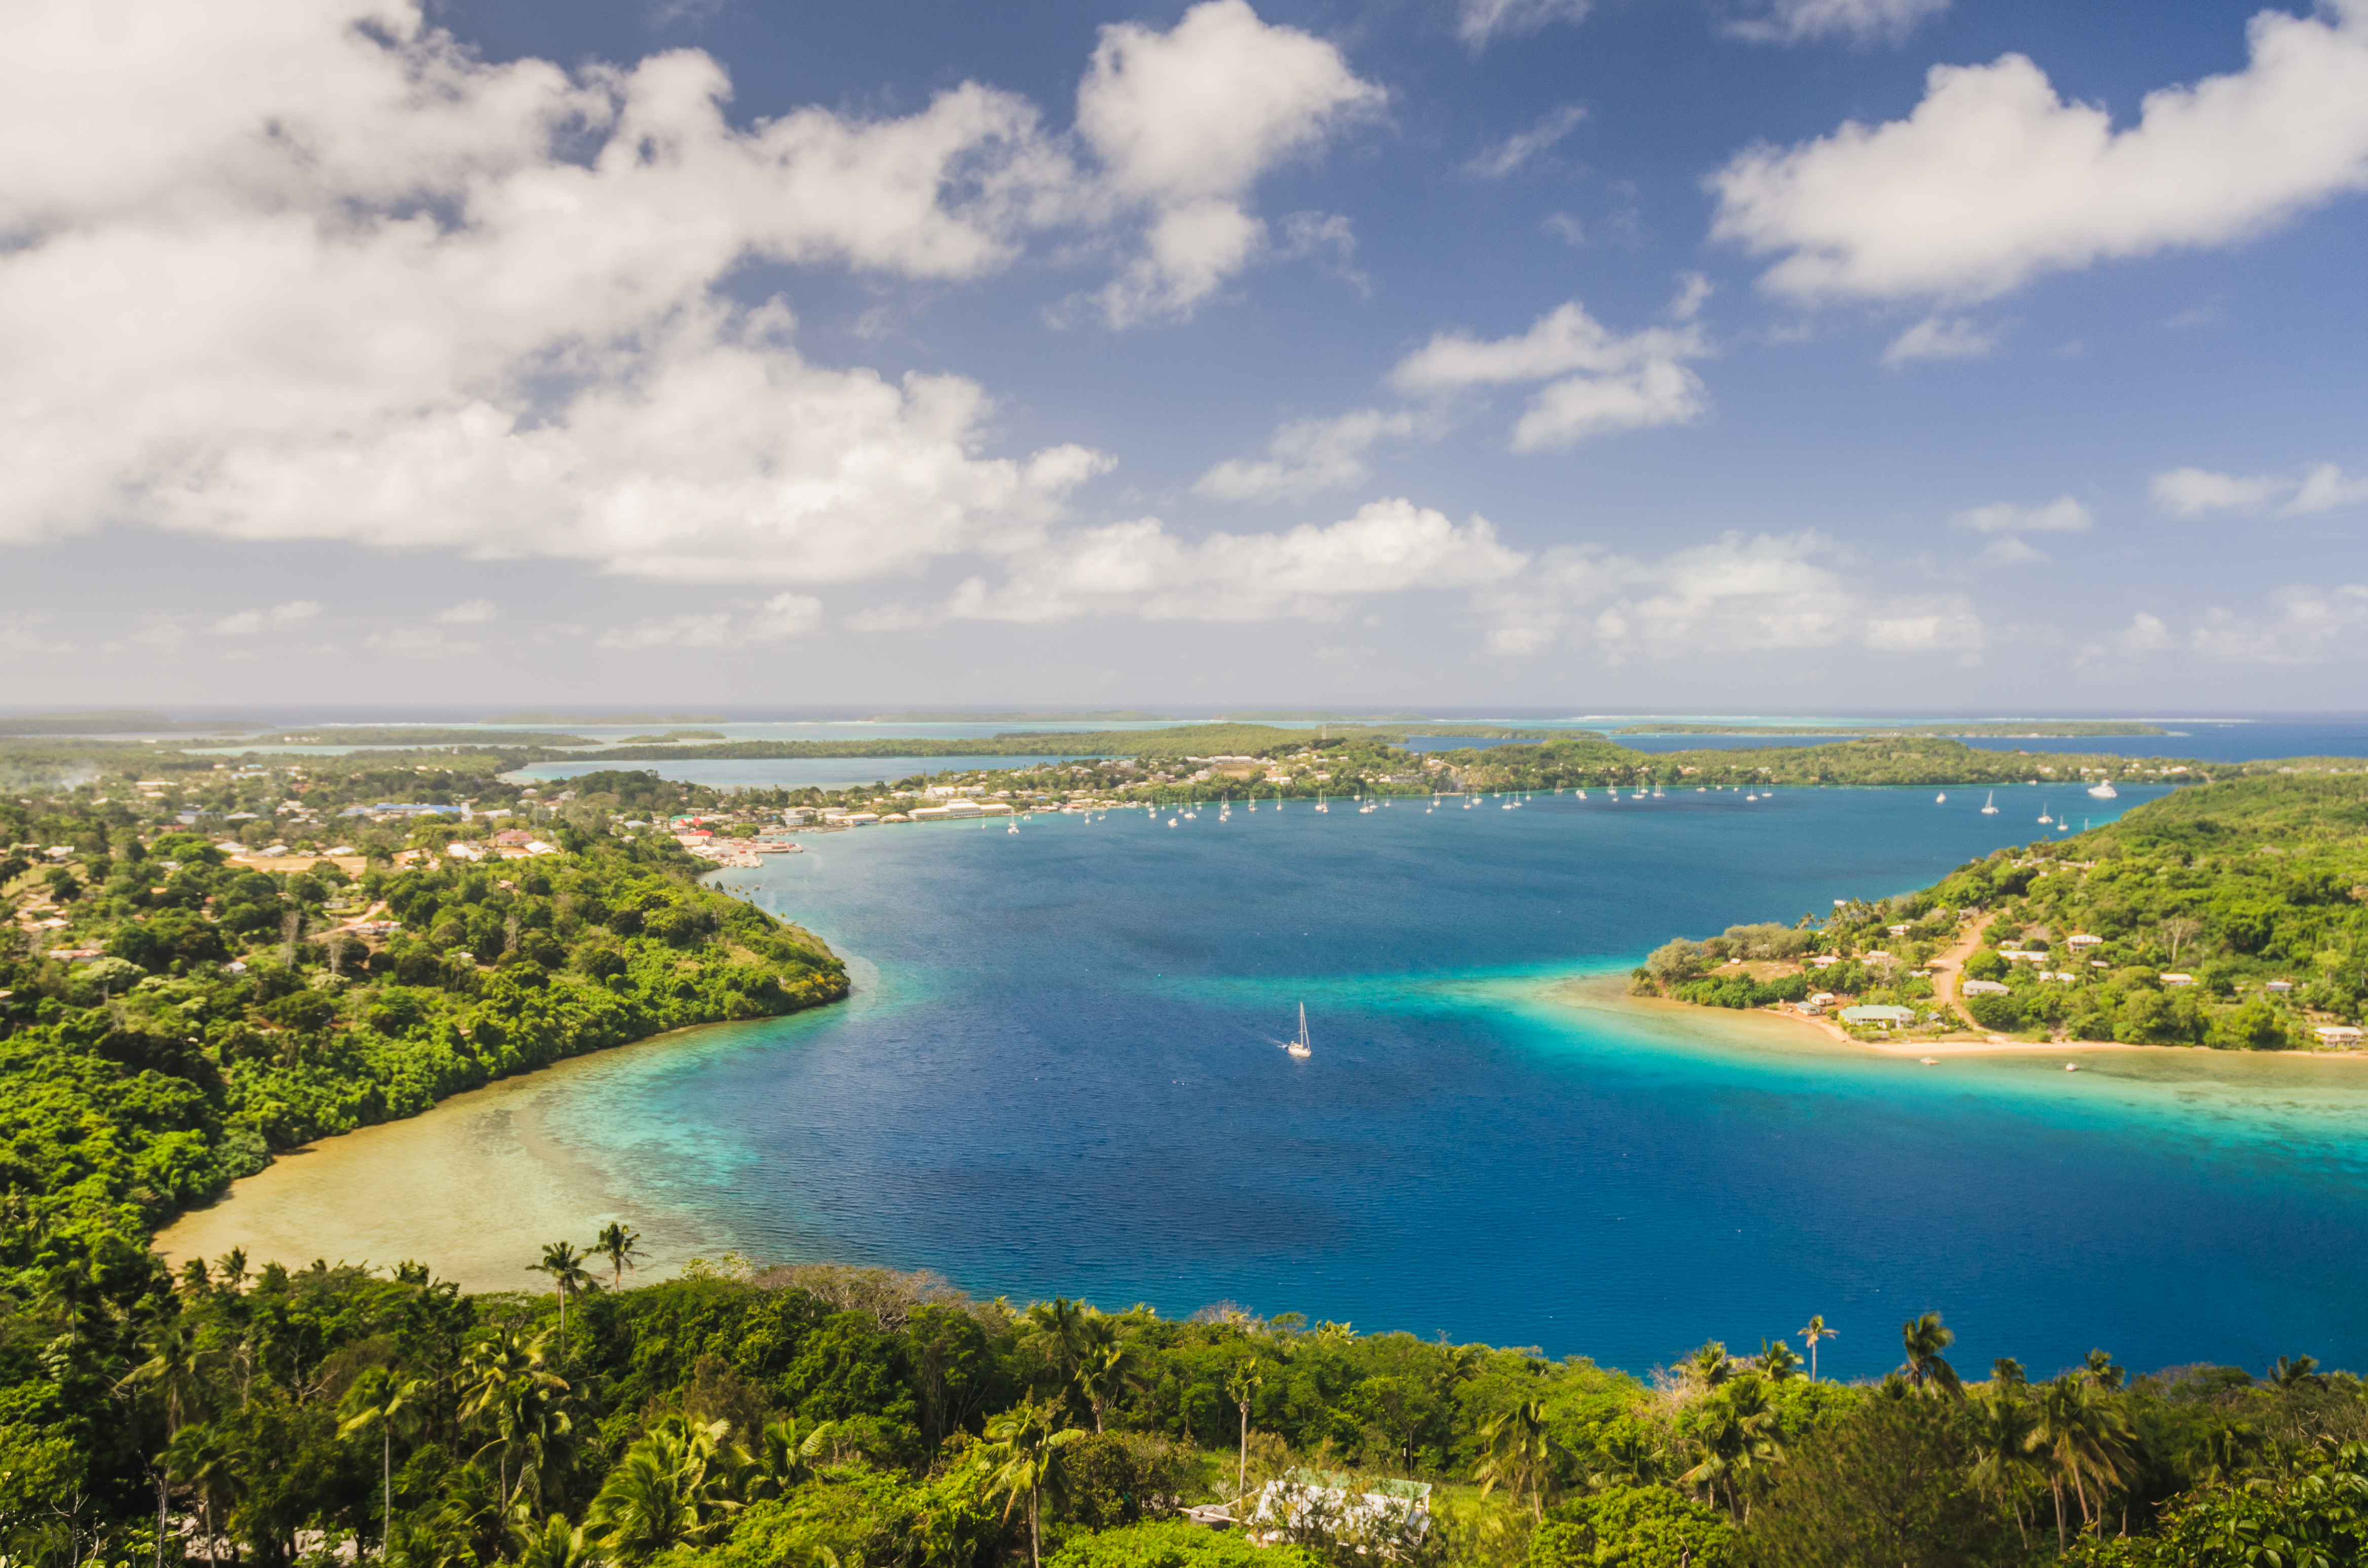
(1610, 992)
(472, 1187)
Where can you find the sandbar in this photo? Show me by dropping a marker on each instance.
(473, 1188)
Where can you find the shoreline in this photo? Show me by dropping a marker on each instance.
(1609, 992)
(479, 1171)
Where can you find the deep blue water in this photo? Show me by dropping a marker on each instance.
(1061, 1073)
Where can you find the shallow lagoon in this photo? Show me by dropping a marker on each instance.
(1061, 1072)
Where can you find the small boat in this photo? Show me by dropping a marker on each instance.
(1989, 806)
(1013, 828)
(2044, 818)
(1300, 1047)
(2071, 1067)
(2103, 791)
(1929, 1060)
(1941, 798)
(1171, 822)
(1751, 797)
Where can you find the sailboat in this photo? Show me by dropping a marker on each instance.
(2044, 818)
(1300, 1047)
(1941, 798)
(1989, 806)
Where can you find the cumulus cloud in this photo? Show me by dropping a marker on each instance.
(1186, 121)
(782, 616)
(469, 612)
(1478, 21)
(2062, 515)
(1311, 572)
(1506, 156)
(2306, 625)
(1995, 179)
(23, 633)
(1860, 21)
(1937, 337)
(317, 272)
(279, 617)
(1599, 381)
(1308, 457)
(422, 643)
(2196, 493)
(1735, 594)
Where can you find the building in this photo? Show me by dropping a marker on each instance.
(1984, 988)
(2338, 1034)
(1321, 1502)
(2082, 939)
(1880, 1017)
(2175, 981)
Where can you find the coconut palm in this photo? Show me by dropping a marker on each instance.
(1815, 1331)
(2098, 1368)
(1104, 1373)
(565, 1267)
(1520, 1454)
(1739, 1444)
(620, 1246)
(2295, 1371)
(669, 1490)
(382, 1400)
(2000, 1424)
(1021, 1444)
(2086, 1441)
(506, 1385)
(785, 1456)
(1708, 1366)
(1925, 1338)
(1242, 1382)
(203, 1461)
(557, 1544)
(1778, 1362)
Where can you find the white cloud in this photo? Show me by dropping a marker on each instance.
(1937, 338)
(279, 617)
(422, 643)
(2195, 492)
(1693, 292)
(1308, 457)
(1735, 594)
(1186, 121)
(470, 612)
(2011, 550)
(21, 632)
(1311, 572)
(1622, 383)
(1478, 21)
(2310, 625)
(2062, 515)
(1496, 163)
(1861, 21)
(1994, 178)
(782, 616)
(316, 272)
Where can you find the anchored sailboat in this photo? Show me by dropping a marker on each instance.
(1989, 806)
(1300, 1047)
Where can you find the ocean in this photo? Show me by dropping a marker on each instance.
(1062, 1072)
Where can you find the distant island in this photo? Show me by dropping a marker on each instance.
(2227, 916)
(2033, 729)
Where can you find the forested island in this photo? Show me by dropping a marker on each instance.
(2230, 915)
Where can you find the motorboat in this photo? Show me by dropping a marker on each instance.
(2103, 791)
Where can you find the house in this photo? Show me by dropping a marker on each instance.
(2083, 939)
(1824, 960)
(1984, 988)
(2338, 1034)
(2279, 987)
(1896, 930)
(2175, 981)
(1881, 1018)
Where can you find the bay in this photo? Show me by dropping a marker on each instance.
(1061, 1072)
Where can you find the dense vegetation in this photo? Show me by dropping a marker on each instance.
(2249, 894)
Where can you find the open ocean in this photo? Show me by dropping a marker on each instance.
(1061, 1072)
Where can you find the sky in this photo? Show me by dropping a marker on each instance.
(1688, 354)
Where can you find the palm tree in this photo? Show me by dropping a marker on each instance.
(1815, 1331)
(1739, 1444)
(172, 1370)
(1063, 1322)
(1520, 1454)
(2001, 1429)
(202, 1459)
(1778, 1362)
(620, 1246)
(1105, 1371)
(565, 1267)
(555, 1545)
(1020, 1444)
(2086, 1437)
(507, 1384)
(785, 1455)
(2098, 1368)
(1925, 1338)
(2294, 1372)
(1708, 1365)
(659, 1494)
(1240, 1384)
(380, 1398)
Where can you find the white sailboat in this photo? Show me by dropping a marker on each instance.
(1941, 798)
(1300, 1047)
(2044, 818)
(1989, 806)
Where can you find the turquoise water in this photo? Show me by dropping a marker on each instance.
(1061, 1072)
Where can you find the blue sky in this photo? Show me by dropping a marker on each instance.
(1664, 353)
